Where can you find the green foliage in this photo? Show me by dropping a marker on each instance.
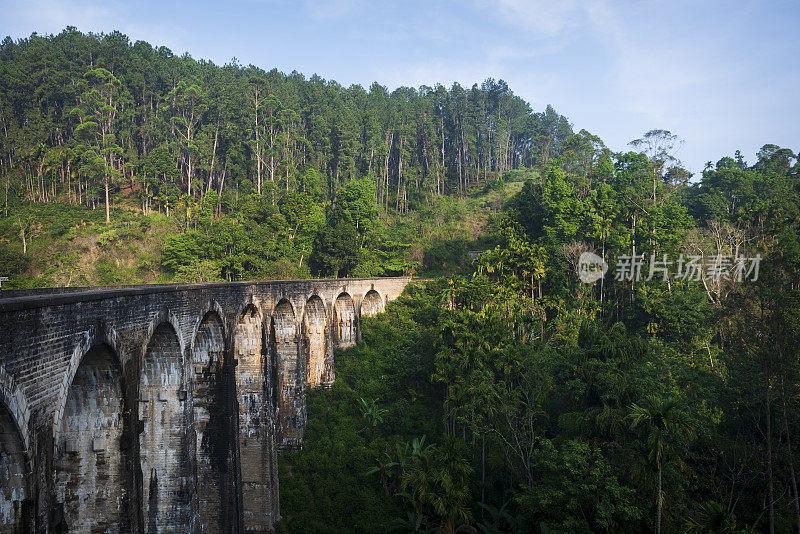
(510, 396)
(355, 206)
(335, 251)
(438, 479)
(221, 145)
(13, 261)
(199, 271)
(95, 123)
(554, 406)
(577, 490)
(109, 273)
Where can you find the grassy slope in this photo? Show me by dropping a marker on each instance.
(73, 245)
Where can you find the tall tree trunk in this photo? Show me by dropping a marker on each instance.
(258, 152)
(483, 468)
(770, 490)
(108, 208)
(633, 254)
(213, 158)
(658, 501)
(789, 453)
(389, 141)
(188, 155)
(399, 176)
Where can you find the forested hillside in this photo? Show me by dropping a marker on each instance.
(520, 392)
(99, 122)
(521, 399)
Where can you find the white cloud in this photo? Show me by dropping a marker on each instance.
(541, 17)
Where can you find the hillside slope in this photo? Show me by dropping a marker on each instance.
(68, 245)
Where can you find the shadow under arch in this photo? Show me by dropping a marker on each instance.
(372, 304)
(16, 505)
(314, 342)
(162, 443)
(14, 400)
(95, 335)
(211, 307)
(91, 481)
(211, 424)
(344, 320)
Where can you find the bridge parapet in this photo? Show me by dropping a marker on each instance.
(211, 380)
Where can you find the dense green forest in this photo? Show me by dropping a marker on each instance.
(503, 395)
(251, 168)
(518, 399)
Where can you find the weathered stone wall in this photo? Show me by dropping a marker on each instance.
(208, 401)
(162, 444)
(161, 408)
(291, 401)
(88, 461)
(13, 479)
(344, 320)
(256, 426)
(314, 339)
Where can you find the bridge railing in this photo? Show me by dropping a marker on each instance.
(16, 299)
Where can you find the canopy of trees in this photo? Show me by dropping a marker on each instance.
(85, 117)
(510, 398)
(520, 399)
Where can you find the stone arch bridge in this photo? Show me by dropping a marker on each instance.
(161, 408)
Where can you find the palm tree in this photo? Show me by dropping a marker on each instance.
(386, 466)
(414, 522)
(498, 518)
(662, 421)
(372, 412)
(439, 479)
(712, 517)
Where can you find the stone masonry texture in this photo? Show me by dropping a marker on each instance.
(163, 408)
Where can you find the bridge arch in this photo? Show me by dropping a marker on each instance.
(212, 306)
(15, 401)
(90, 478)
(14, 456)
(289, 372)
(372, 303)
(162, 445)
(94, 335)
(206, 382)
(344, 320)
(314, 341)
(256, 438)
(159, 319)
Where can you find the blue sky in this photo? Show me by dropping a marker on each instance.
(721, 75)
